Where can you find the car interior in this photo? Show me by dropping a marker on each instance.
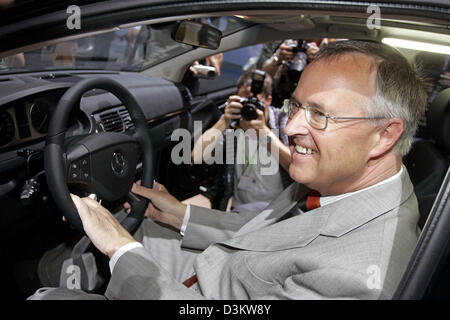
(136, 47)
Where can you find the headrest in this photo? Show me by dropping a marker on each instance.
(439, 120)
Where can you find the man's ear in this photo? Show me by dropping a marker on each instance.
(387, 136)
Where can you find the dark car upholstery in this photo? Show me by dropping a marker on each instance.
(428, 160)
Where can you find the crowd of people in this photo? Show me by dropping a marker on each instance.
(282, 63)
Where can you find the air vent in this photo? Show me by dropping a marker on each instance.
(115, 120)
(125, 115)
(111, 121)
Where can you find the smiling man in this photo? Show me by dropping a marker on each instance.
(336, 147)
(352, 118)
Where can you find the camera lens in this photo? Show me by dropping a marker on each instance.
(248, 111)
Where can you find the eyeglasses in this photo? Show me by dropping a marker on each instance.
(317, 118)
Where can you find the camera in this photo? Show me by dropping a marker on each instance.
(250, 105)
(299, 61)
(286, 81)
(205, 72)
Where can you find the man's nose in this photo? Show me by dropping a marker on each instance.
(248, 92)
(298, 124)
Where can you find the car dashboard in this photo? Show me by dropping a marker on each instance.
(27, 104)
(29, 216)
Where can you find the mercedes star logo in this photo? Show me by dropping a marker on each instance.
(118, 163)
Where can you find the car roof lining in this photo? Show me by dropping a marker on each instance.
(321, 26)
(259, 16)
(414, 13)
(308, 24)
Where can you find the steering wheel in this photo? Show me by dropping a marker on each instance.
(103, 164)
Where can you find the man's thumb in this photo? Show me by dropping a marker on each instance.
(140, 190)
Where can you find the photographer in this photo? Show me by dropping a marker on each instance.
(251, 189)
(286, 65)
(208, 68)
(215, 61)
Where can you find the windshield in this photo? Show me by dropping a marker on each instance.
(128, 49)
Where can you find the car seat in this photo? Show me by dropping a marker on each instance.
(426, 275)
(428, 160)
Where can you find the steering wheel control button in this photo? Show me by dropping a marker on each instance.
(74, 172)
(79, 171)
(83, 164)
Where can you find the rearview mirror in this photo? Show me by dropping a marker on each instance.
(198, 34)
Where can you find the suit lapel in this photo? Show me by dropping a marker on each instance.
(335, 219)
(359, 209)
(276, 209)
(297, 231)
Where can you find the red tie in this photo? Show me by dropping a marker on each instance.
(191, 281)
(313, 200)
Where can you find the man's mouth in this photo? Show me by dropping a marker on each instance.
(303, 150)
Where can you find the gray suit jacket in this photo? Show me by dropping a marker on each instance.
(357, 247)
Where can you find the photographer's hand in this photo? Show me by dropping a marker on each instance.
(312, 51)
(211, 136)
(232, 110)
(285, 53)
(191, 69)
(259, 124)
(274, 144)
(279, 61)
(215, 61)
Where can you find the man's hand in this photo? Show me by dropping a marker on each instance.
(215, 61)
(101, 227)
(259, 124)
(163, 207)
(284, 53)
(312, 51)
(233, 109)
(194, 72)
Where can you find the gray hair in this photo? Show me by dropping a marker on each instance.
(400, 87)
